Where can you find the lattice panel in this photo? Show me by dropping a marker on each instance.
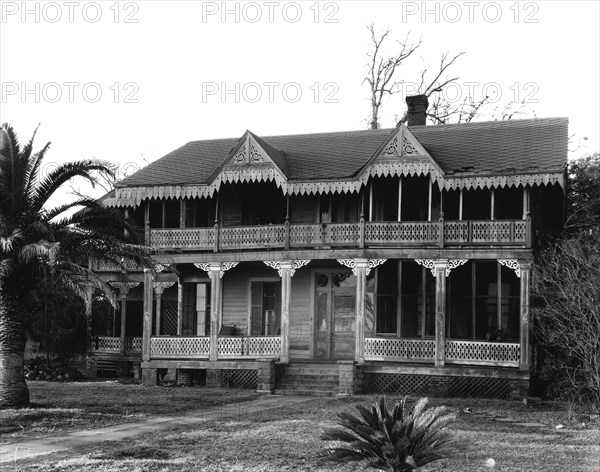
(394, 349)
(168, 318)
(520, 232)
(306, 235)
(240, 379)
(232, 347)
(405, 232)
(106, 343)
(342, 233)
(401, 384)
(252, 236)
(456, 232)
(180, 347)
(197, 238)
(264, 346)
(492, 231)
(479, 352)
(133, 344)
(482, 387)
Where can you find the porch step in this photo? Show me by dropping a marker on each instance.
(309, 378)
(303, 392)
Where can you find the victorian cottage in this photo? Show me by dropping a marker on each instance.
(376, 260)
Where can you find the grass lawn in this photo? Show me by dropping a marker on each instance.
(63, 407)
(287, 440)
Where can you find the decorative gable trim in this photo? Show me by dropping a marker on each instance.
(402, 154)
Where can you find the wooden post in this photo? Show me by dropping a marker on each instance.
(362, 230)
(286, 268)
(216, 227)
(440, 311)
(179, 307)
(360, 268)
(123, 295)
(147, 329)
(89, 293)
(528, 230)
(147, 222)
(400, 198)
(441, 230)
(460, 205)
(216, 291)
(159, 289)
(182, 210)
(525, 358)
(286, 244)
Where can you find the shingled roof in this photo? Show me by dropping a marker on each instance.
(485, 148)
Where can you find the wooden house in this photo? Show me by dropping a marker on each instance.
(390, 260)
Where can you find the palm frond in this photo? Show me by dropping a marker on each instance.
(63, 174)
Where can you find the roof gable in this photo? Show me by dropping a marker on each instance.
(482, 154)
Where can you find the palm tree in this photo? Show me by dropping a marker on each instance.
(391, 439)
(38, 244)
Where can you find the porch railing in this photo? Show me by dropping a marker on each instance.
(483, 353)
(393, 349)
(113, 344)
(456, 352)
(197, 347)
(359, 235)
(267, 347)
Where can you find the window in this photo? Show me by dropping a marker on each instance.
(417, 301)
(196, 309)
(483, 302)
(265, 313)
(387, 298)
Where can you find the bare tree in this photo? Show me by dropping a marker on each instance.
(380, 76)
(567, 324)
(383, 80)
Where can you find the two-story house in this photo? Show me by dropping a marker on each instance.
(375, 260)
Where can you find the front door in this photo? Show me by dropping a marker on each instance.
(335, 315)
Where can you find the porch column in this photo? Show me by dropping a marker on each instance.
(286, 268)
(179, 307)
(215, 272)
(123, 289)
(360, 268)
(88, 316)
(216, 297)
(525, 358)
(439, 268)
(147, 328)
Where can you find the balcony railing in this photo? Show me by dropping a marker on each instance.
(358, 235)
(456, 352)
(180, 347)
(113, 344)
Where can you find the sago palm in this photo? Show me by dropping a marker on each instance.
(38, 243)
(393, 440)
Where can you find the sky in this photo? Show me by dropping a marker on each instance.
(130, 81)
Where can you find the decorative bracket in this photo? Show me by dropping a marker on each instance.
(123, 287)
(208, 267)
(159, 268)
(295, 265)
(159, 287)
(451, 264)
(371, 264)
(511, 264)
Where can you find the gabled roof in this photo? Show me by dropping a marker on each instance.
(494, 153)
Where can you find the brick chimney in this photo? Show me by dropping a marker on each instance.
(417, 110)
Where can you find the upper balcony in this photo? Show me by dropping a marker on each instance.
(438, 234)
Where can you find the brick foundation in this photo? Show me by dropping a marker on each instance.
(149, 377)
(266, 376)
(214, 378)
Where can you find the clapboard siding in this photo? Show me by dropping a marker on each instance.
(235, 292)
